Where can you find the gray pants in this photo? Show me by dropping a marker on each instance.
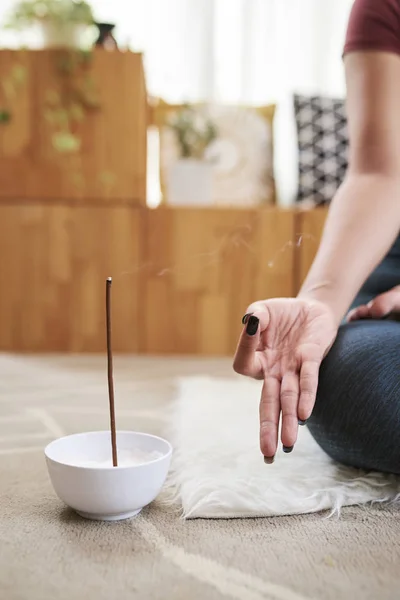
(356, 418)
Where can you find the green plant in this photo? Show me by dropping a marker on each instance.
(67, 105)
(60, 12)
(194, 131)
(10, 86)
(74, 97)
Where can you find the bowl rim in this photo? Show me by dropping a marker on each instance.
(105, 431)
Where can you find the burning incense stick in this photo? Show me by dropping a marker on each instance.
(110, 373)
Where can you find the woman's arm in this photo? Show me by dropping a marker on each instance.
(364, 217)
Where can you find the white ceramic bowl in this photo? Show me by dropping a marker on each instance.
(107, 493)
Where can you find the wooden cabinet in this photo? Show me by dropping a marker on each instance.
(182, 278)
(72, 126)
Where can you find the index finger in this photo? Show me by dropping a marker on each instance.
(246, 361)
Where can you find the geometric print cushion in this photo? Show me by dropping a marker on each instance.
(323, 147)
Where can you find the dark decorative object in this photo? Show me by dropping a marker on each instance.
(106, 39)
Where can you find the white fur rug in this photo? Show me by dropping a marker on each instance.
(218, 471)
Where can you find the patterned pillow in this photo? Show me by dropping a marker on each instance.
(323, 147)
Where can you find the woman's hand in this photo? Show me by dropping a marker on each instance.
(379, 307)
(283, 344)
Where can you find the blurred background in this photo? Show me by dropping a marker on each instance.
(187, 148)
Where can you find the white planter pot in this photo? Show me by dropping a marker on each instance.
(189, 183)
(65, 36)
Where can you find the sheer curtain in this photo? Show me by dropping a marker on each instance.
(232, 51)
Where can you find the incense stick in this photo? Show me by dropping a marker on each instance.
(110, 373)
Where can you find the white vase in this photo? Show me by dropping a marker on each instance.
(189, 183)
(68, 35)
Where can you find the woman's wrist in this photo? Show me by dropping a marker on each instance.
(326, 293)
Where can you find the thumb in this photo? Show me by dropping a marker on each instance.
(245, 361)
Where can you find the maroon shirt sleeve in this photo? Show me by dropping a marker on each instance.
(374, 25)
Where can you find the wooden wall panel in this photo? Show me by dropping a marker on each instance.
(111, 162)
(182, 278)
(54, 261)
(309, 227)
(203, 267)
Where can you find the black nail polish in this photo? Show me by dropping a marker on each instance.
(303, 422)
(246, 317)
(252, 325)
(287, 449)
(269, 460)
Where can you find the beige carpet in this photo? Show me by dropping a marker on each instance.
(47, 552)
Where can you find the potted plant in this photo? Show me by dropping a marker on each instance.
(190, 176)
(63, 23)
